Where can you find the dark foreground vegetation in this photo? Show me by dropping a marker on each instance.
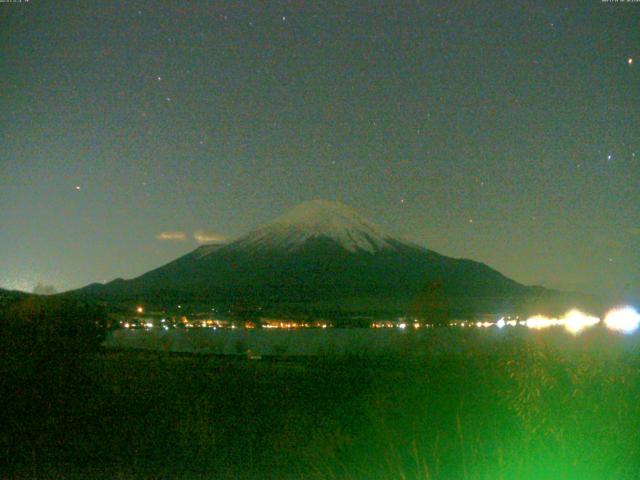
(528, 409)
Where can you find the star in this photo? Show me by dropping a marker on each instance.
(630, 61)
(609, 157)
(77, 187)
(159, 78)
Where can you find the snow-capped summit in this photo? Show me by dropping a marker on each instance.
(318, 219)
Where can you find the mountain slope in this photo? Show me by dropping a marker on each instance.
(8, 297)
(323, 258)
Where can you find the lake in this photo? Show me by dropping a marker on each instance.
(356, 341)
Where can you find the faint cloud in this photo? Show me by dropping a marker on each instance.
(208, 237)
(42, 289)
(172, 236)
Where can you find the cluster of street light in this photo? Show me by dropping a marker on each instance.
(624, 319)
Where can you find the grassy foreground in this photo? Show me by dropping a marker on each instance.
(527, 409)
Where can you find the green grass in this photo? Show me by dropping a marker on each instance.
(525, 409)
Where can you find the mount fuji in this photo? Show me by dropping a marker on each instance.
(323, 259)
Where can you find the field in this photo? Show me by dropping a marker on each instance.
(518, 407)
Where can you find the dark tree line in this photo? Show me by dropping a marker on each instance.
(45, 324)
(46, 384)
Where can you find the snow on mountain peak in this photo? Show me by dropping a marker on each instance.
(316, 219)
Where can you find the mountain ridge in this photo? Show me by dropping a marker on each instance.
(320, 258)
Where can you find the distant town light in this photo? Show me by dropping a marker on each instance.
(139, 309)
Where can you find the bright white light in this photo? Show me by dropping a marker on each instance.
(575, 321)
(538, 322)
(402, 325)
(625, 320)
(500, 323)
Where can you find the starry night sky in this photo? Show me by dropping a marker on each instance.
(506, 132)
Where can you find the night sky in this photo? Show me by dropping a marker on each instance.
(506, 132)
